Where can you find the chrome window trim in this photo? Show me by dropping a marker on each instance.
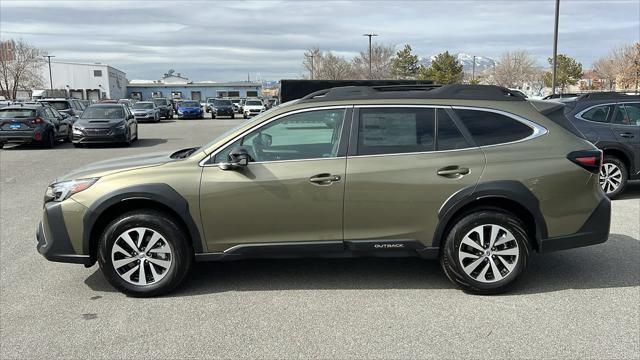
(579, 115)
(203, 162)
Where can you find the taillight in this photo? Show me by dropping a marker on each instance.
(37, 121)
(590, 160)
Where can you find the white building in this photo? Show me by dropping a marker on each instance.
(84, 80)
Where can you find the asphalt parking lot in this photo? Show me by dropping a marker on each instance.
(572, 304)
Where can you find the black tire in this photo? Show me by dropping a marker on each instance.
(612, 160)
(213, 115)
(49, 140)
(69, 136)
(233, 116)
(1, 145)
(449, 258)
(78, 145)
(171, 231)
(245, 116)
(157, 119)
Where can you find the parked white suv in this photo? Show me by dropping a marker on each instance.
(252, 107)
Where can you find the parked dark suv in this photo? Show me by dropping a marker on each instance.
(612, 122)
(165, 106)
(39, 124)
(71, 107)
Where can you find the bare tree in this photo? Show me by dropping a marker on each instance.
(381, 59)
(326, 65)
(514, 69)
(607, 70)
(20, 67)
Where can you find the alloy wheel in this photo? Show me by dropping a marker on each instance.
(488, 253)
(141, 256)
(610, 177)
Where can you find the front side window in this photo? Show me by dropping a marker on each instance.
(306, 135)
(490, 128)
(627, 114)
(395, 130)
(97, 73)
(598, 113)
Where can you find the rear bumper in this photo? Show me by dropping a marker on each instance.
(17, 136)
(594, 231)
(53, 239)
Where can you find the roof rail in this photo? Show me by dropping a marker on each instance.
(457, 91)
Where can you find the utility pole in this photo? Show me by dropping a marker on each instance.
(50, 77)
(473, 72)
(555, 49)
(636, 63)
(370, 36)
(312, 69)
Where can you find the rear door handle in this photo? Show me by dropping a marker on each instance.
(627, 135)
(324, 179)
(453, 171)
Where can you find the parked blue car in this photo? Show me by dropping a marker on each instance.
(189, 109)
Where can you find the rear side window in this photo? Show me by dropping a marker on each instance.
(59, 105)
(396, 130)
(489, 128)
(449, 136)
(598, 113)
(558, 116)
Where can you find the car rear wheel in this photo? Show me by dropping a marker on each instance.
(485, 252)
(613, 176)
(213, 115)
(144, 253)
(49, 140)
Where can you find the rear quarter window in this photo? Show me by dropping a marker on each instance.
(489, 128)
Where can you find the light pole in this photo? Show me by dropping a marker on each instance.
(50, 77)
(555, 49)
(312, 69)
(473, 72)
(370, 36)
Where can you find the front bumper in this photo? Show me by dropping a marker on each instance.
(594, 231)
(143, 117)
(225, 112)
(190, 115)
(102, 135)
(53, 239)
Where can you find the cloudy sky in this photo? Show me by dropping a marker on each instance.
(223, 41)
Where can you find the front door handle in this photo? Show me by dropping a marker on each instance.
(453, 171)
(627, 135)
(324, 179)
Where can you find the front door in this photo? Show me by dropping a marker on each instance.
(399, 172)
(625, 125)
(291, 191)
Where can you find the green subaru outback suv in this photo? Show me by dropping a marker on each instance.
(475, 176)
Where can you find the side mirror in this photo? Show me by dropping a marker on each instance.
(238, 158)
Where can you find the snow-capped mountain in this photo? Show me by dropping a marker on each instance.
(482, 63)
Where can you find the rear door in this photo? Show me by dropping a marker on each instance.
(625, 125)
(400, 171)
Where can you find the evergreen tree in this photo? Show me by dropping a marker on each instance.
(568, 72)
(445, 69)
(405, 65)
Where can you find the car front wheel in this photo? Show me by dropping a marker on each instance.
(613, 176)
(144, 253)
(485, 252)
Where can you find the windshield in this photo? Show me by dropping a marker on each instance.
(222, 103)
(103, 112)
(58, 105)
(17, 113)
(143, 105)
(159, 102)
(189, 104)
(254, 102)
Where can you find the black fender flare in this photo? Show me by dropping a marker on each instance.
(160, 193)
(507, 189)
(610, 145)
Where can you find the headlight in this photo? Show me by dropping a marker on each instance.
(77, 130)
(121, 126)
(63, 190)
(180, 111)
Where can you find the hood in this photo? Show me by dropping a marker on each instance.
(103, 168)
